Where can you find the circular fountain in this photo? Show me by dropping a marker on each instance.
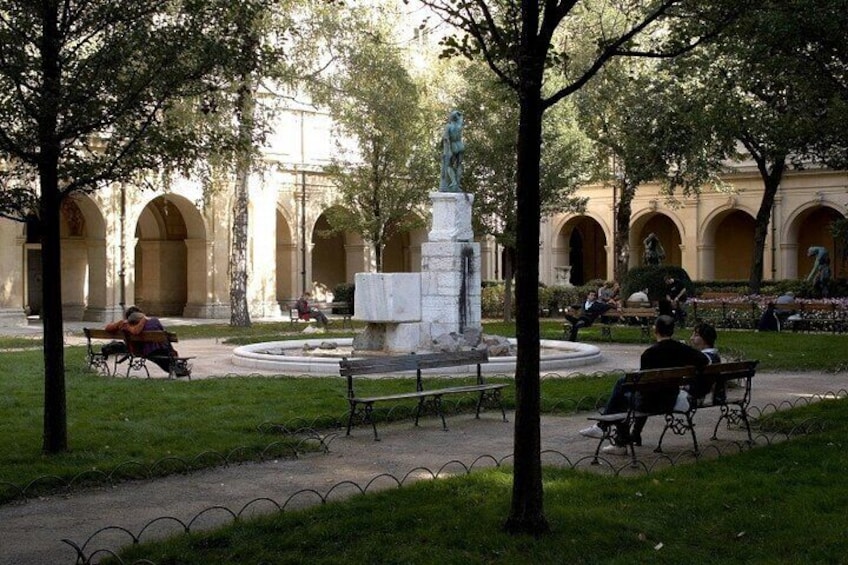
(305, 357)
(407, 312)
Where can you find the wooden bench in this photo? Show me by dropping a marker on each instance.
(647, 382)
(731, 392)
(362, 407)
(342, 309)
(723, 314)
(815, 316)
(643, 316)
(732, 400)
(177, 366)
(95, 357)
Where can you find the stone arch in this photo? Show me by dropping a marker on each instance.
(666, 227)
(580, 249)
(335, 257)
(727, 244)
(808, 226)
(172, 257)
(82, 233)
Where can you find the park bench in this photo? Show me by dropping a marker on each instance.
(342, 309)
(95, 356)
(731, 392)
(723, 314)
(643, 316)
(646, 382)
(362, 407)
(815, 316)
(732, 400)
(177, 366)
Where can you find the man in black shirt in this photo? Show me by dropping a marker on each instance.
(592, 309)
(665, 353)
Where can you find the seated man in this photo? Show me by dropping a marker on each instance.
(305, 311)
(664, 354)
(592, 309)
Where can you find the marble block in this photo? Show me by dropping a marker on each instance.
(388, 297)
(451, 216)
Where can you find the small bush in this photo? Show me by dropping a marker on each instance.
(653, 277)
(492, 300)
(556, 299)
(344, 292)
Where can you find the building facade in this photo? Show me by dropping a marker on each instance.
(168, 252)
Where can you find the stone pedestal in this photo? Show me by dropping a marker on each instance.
(450, 289)
(451, 217)
(407, 311)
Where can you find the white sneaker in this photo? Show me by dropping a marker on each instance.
(593, 431)
(615, 449)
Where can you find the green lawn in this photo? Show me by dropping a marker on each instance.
(761, 506)
(115, 420)
(779, 504)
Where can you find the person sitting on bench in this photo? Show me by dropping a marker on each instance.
(305, 311)
(665, 353)
(592, 309)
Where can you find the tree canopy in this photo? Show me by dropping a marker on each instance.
(384, 176)
(86, 89)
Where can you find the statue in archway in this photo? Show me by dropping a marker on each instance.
(654, 252)
(820, 273)
(452, 150)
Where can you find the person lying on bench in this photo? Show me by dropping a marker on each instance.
(159, 353)
(592, 309)
(118, 347)
(664, 354)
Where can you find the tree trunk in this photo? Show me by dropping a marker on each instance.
(508, 272)
(771, 183)
(55, 433)
(526, 513)
(378, 257)
(621, 244)
(55, 438)
(239, 311)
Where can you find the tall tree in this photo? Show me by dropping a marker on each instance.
(490, 163)
(275, 45)
(646, 129)
(757, 86)
(383, 180)
(522, 42)
(85, 88)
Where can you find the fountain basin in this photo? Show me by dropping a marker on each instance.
(287, 357)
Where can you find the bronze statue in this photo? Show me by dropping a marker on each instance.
(654, 252)
(452, 150)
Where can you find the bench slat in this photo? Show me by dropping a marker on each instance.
(372, 365)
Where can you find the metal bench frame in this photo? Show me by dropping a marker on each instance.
(362, 407)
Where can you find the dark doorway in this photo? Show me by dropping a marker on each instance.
(575, 257)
